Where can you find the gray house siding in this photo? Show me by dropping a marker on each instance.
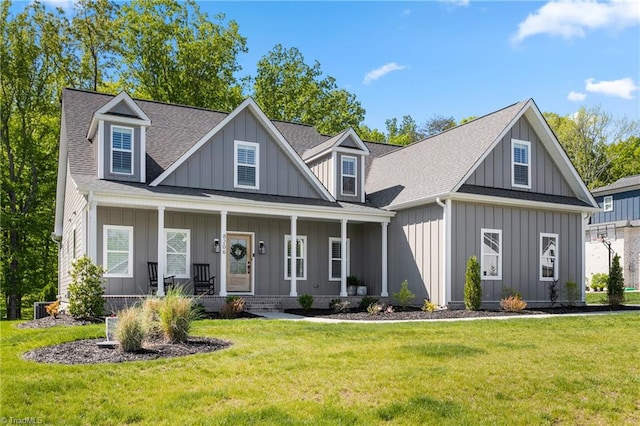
(212, 167)
(626, 206)
(322, 168)
(495, 170)
(349, 143)
(521, 230)
(72, 245)
(123, 109)
(135, 177)
(366, 255)
(415, 251)
(338, 178)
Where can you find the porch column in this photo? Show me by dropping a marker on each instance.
(292, 260)
(223, 253)
(92, 239)
(385, 284)
(343, 259)
(162, 261)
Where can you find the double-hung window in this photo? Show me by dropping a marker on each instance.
(607, 203)
(349, 169)
(548, 257)
(118, 251)
(299, 254)
(335, 259)
(247, 167)
(521, 163)
(122, 150)
(178, 243)
(491, 251)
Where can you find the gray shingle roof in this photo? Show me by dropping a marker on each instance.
(435, 165)
(620, 185)
(521, 195)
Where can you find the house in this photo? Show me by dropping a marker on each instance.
(278, 210)
(618, 224)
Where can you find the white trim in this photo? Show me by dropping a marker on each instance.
(132, 150)
(335, 147)
(528, 164)
(354, 176)
(293, 292)
(343, 264)
(498, 276)
(102, 113)
(223, 253)
(555, 257)
(362, 182)
(583, 269)
(100, 154)
(251, 104)
(542, 205)
(85, 232)
(92, 246)
(187, 273)
(105, 240)
(162, 259)
(607, 203)
(256, 166)
(287, 239)
(143, 154)
(334, 174)
(332, 241)
(384, 260)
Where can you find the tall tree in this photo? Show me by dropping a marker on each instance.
(371, 135)
(625, 159)
(404, 133)
(172, 52)
(34, 57)
(437, 124)
(289, 89)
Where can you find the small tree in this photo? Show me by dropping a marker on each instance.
(404, 296)
(615, 283)
(85, 290)
(472, 287)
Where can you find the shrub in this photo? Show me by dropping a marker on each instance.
(365, 302)
(130, 331)
(615, 283)
(599, 281)
(553, 292)
(49, 292)
(513, 304)
(233, 306)
(388, 309)
(404, 296)
(53, 309)
(150, 315)
(352, 280)
(472, 287)
(339, 305)
(176, 315)
(572, 292)
(375, 308)
(85, 290)
(306, 301)
(429, 306)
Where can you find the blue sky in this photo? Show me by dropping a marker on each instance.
(457, 58)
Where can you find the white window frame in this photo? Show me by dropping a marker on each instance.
(554, 257)
(114, 128)
(482, 255)
(354, 175)
(287, 239)
(332, 241)
(607, 203)
(187, 273)
(105, 252)
(514, 144)
(237, 144)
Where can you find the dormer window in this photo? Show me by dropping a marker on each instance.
(521, 164)
(122, 150)
(246, 159)
(349, 169)
(607, 204)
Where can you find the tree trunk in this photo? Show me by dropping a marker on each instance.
(13, 307)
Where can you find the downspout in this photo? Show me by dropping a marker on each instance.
(443, 295)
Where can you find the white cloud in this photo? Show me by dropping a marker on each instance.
(461, 3)
(572, 18)
(576, 96)
(383, 70)
(66, 5)
(622, 88)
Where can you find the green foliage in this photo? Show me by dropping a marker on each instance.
(472, 287)
(233, 306)
(366, 301)
(572, 292)
(625, 159)
(85, 291)
(130, 331)
(404, 133)
(404, 296)
(599, 281)
(509, 291)
(306, 301)
(176, 313)
(370, 135)
(150, 315)
(375, 308)
(339, 305)
(513, 303)
(437, 124)
(429, 306)
(615, 283)
(49, 292)
(352, 280)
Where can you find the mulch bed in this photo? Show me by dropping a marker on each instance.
(61, 320)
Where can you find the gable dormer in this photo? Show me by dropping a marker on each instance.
(339, 163)
(118, 132)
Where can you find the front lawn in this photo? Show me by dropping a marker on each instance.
(569, 370)
(600, 297)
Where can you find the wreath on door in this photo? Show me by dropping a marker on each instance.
(238, 251)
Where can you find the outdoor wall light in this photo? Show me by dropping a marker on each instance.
(262, 249)
(216, 245)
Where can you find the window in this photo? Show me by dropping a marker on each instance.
(491, 249)
(122, 150)
(521, 165)
(548, 257)
(335, 258)
(118, 251)
(300, 257)
(246, 165)
(349, 168)
(607, 204)
(178, 252)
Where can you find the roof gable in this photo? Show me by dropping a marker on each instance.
(627, 183)
(123, 109)
(346, 141)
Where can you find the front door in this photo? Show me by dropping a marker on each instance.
(239, 262)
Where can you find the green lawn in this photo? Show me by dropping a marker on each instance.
(570, 370)
(600, 297)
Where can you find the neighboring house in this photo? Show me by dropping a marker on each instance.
(619, 223)
(142, 181)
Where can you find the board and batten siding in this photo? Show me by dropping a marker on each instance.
(495, 170)
(212, 166)
(322, 168)
(521, 229)
(415, 239)
(626, 206)
(366, 255)
(74, 212)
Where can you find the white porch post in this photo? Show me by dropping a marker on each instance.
(343, 259)
(292, 260)
(92, 240)
(385, 284)
(161, 249)
(223, 253)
